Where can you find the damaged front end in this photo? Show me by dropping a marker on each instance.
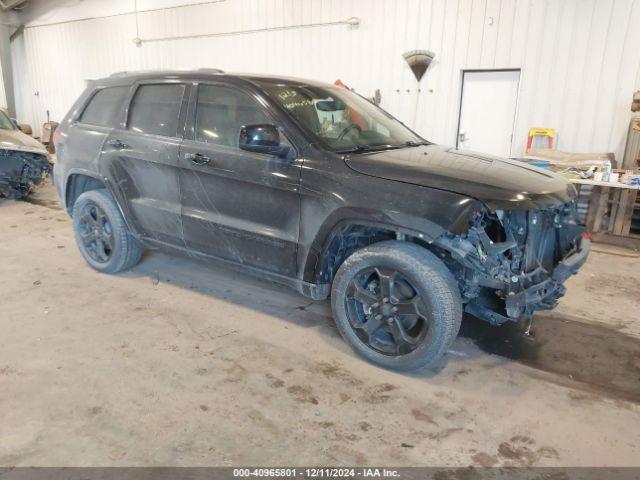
(512, 263)
(21, 170)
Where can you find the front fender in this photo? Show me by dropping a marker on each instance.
(387, 220)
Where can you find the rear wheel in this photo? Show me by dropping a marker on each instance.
(102, 235)
(397, 305)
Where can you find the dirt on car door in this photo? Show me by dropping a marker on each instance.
(237, 205)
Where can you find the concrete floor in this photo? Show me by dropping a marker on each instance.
(181, 363)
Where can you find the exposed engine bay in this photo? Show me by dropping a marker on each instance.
(512, 263)
(20, 171)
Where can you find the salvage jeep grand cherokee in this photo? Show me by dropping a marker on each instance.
(315, 187)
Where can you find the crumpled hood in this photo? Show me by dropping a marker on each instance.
(499, 183)
(17, 140)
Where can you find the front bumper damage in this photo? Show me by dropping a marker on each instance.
(511, 264)
(21, 170)
(543, 295)
(547, 291)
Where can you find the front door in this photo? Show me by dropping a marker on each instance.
(142, 159)
(237, 205)
(488, 111)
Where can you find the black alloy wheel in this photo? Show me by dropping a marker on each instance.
(386, 311)
(96, 233)
(102, 235)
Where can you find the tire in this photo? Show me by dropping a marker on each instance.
(422, 290)
(98, 221)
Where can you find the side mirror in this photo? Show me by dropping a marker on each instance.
(15, 122)
(262, 138)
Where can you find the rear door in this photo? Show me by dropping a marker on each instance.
(142, 157)
(237, 205)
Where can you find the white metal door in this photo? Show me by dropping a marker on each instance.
(488, 111)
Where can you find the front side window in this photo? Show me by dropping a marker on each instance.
(104, 107)
(341, 119)
(222, 111)
(155, 109)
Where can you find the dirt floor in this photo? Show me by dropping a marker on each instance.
(182, 363)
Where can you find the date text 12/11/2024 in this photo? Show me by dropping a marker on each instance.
(316, 472)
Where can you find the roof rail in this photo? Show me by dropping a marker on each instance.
(125, 73)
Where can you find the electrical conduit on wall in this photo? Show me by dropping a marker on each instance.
(351, 21)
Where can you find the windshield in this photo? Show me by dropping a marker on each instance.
(5, 122)
(341, 119)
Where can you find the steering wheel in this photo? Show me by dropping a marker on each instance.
(347, 129)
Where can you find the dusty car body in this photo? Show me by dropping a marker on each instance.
(399, 232)
(24, 162)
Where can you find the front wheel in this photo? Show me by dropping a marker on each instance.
(397, 305)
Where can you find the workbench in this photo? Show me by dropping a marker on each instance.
(618, 199)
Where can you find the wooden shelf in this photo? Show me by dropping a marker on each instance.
(616, 202)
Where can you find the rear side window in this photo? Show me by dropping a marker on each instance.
(155, 109)
(104, 106)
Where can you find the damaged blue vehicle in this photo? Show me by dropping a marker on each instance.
(315, 187)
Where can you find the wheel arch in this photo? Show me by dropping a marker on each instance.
(336, 240)
(79, 181)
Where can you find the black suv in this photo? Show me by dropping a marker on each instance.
(314, 186)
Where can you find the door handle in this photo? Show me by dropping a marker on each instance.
(118, 144)
(198, 158)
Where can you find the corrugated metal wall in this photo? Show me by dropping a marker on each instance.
(580, 59)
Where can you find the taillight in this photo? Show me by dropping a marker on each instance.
(56, 137)
(587, 235)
